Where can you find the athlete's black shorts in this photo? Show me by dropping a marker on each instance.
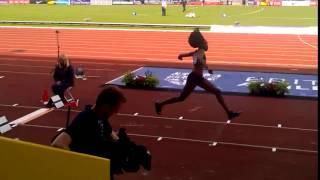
(195, 78)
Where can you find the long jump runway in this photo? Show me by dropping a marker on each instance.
(185, 141)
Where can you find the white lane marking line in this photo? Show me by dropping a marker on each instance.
(60, 129)
(105, 29)
(195, 109)
(213, 144)
(304, 42)
(1, 77)
(21, 72)
(201, 141)
(31, 116)
(42, 126)
(181, 117)
(187, 62)
(226, 143)
(123, 29)
(49, 67)
(148, 57)
(264, 64)
(89, 76)
(15, 104)
(14, 72)
(120, 77)
(175, 119)
(136, 114)
(284, 50)
(215, 122)
(255, 50)
(279, 125)
(82, 62)
(159, 139)
(132, 125)
(274, 149)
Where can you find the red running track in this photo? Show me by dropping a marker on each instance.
(244, 146)
(258, 50)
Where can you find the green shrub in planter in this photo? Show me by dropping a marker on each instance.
(128, 79)
(281, 87)
(261, 88)
(151, 81)
(254, 87)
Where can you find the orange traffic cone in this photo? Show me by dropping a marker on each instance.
(45, 97)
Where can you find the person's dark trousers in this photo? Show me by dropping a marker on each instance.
(59, 90)
(163, 11)
(183, 6)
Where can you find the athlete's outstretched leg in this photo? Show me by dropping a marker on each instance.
(205, 84)
(188, 88)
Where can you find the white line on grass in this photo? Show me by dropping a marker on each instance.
(252, 12)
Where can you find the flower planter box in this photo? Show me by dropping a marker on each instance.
(140, 82)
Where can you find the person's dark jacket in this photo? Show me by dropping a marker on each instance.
(64, 74)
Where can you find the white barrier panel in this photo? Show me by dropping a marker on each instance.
(295, 3)
(122, 2)
(101, 2)
(264, 29)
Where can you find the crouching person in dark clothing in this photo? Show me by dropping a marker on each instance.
(63, 77)
(91, 133)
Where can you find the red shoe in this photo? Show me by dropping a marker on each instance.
(73, 103)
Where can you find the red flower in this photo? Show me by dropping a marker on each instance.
(140, 78)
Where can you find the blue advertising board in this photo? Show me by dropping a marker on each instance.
(65, 2)
(231, 81)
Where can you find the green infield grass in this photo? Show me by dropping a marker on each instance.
(151, 14)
